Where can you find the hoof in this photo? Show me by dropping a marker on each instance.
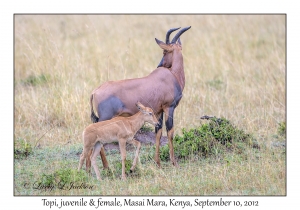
(106, 168)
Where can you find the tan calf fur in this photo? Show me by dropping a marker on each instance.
(118, 129)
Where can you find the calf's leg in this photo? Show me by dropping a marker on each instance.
(83, 156)
(103, 158)
(88, 162)
(94, 155)
(138, 147)
(122, 145)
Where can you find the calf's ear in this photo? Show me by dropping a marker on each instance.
(139, 105)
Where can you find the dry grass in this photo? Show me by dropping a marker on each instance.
(234, 67)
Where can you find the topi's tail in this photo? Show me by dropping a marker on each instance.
(94, 118)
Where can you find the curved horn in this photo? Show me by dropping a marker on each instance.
(179, 34)
(168, 34)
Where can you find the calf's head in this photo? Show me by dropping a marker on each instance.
(148, 114)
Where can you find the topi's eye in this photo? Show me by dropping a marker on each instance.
(150, 113)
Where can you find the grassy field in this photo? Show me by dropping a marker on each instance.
(234, 68)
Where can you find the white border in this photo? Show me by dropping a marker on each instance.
(154, 6)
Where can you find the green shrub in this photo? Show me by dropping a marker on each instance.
(66, 175)
(128, 163)
(22, 149)
(47, 179)
(213, 138)
(146, 128)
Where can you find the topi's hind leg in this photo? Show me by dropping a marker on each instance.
(103, 158)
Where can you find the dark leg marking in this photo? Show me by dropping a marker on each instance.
(158, 133)
(169, 120)
(160, 120)
(170, 133)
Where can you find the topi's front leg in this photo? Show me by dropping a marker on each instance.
(158, 133)
(170, 133)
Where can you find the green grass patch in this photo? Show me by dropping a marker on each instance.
(35, 80)
(52, 170)
(216, 84)
(281, 129)
(22, 149)
(116, 170)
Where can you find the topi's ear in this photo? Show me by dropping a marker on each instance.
(163, 45)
